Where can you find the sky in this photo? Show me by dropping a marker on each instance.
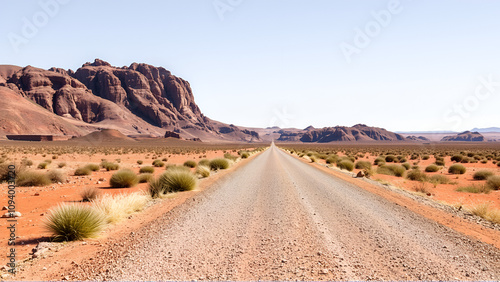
(401, 65)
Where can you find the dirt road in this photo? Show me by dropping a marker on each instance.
(277, 218)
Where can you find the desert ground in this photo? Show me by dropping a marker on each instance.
(285, 212)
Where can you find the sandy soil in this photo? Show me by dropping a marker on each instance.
(277, 218)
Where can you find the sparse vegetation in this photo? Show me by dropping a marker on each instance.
(147, 169)
(176, 181)
(345, 164)
(439, 179)
(457, 169)
(70, 222)
(432, 168)
(190, 163)
(117, 207)
(363, 165)
(82, 171)
(482, 174)
(124, 178)
(56, 176)
(416, 175)
(145, 177)
(92, 167)
(474, 189)
(32, 178)
(89, 194)
(393, 169)
(61, 164)
(219, 163)
(493, 182)
(203, 171)
(43, 165)
(484, 211)
(158, 163)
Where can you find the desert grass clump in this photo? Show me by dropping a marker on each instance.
(177, 181)
(493, 182)
(110, 166)
(92, 167)
(457, 158)
(71, 222)
(345, 164)
(407, 166)
(244, 155)
(379, 161)
(155, 188)
(61, 164)
(158, 163)
(89, 194)
(56, 176)
(190, 163)
(43, 165)
(147, 169)
(32, 178)
(484, 211)
(124, 178)
(457, 169)
(219, 163)
(432, 168)
(393, 170)
(139, 162)
(203, 171)
(363, 165)
(230, 157)
(474, 189)
(439, 179)
(204, 162)
(26, 162)
(482, 174)
(117, 207)
(145, 177)
(416, 175)
(82, 171)
(331, 159)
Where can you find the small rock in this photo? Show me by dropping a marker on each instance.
(360, 174)
(324, 271)
(5, 208)
(44, 268)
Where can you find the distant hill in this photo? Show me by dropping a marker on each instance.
(487, 129)
(465, 136)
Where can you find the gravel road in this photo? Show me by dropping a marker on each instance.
(277, 218)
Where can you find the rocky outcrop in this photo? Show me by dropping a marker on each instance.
(417, 138)
(466, 136)
(172, 134)
(359, 132)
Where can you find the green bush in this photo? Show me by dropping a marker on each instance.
(82, 171)
(158, 163)
(43, 165)
(147, 169)
(92, 167)
(482, 174)
(416, 175)
(457, 169)
(494, 182)
(363, 165)
(393, 169)
(124, 178)
(190, 163)
(72, 222)
(217, 164)
(432, 168)
(345, 164)
(176, 180)
(32, 178)
(379, 161)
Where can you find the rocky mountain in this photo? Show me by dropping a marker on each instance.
(358, 132)
(139, 99)
(417, 138)
(465, 136)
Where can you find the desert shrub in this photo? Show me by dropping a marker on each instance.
(483, 210)
(457, 169)
(177, 167)
(217, 164)
(390, 158)
(61, 164)
(407, 166)
(70, 222)
(494, 182)
(204, 162)
(26, 162)
(89, 194)
(465, 160)
(124, 178)
(43, 165)
(345, 164)
(432, 168)
(363, 165)
(425, 157)
(203, 171)
(92, 167)
(498, 164)
(439, 161)
(332, 159)
(245, 155)
(457, 158)
(110, 166)
(474, 189)
(394, 170)
(118, 207)
(145, 177)
(416, 175)
(230, 157)
(190, 163)
(147, 169)
(164, 159)
(56, 176)
(439, 179)
(313, 159)
(139, 162)
(47, 161)
(32, 178)
(482, 174)
(379, 161)
(155, 188)
(158, 163)
(176, 180)
(82, 171)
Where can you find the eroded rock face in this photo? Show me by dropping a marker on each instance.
(465, 136)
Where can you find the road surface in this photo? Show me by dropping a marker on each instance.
(277, 218)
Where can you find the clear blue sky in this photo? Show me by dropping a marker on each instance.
(281, 62)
